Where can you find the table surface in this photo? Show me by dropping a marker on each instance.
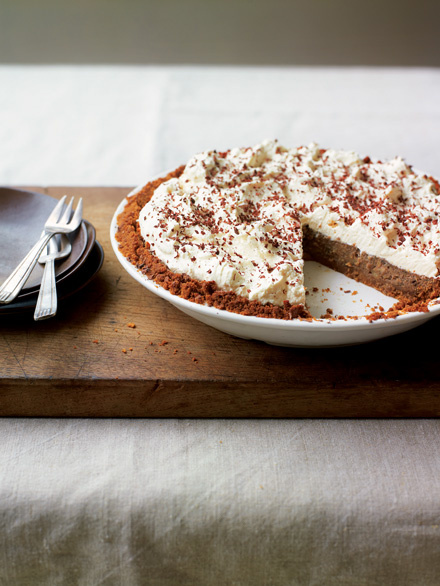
(213, 501)
(170, 365)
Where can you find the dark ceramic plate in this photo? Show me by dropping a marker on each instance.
(22, 218)
(68, 285)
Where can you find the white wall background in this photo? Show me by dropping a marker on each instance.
(260, 32)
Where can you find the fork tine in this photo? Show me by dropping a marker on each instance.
(77, 216)
(67, 212)
(55, 215)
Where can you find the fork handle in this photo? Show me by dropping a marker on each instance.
(47, 297)
(14, 283)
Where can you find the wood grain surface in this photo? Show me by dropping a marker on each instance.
(88, 362)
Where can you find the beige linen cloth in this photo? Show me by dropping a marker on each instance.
(190, 502)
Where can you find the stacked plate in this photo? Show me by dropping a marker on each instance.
(22, 218)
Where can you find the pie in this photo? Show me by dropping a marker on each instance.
(232, 229)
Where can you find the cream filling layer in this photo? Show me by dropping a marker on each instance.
(246, 258)
(235, 218)
(359, 235)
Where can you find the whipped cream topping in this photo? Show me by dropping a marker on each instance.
(236, 217)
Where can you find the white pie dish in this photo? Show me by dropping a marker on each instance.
(344, 297)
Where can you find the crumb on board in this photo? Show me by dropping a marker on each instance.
(164, 343)
(131, 325)
(96, 341)
(124, 350)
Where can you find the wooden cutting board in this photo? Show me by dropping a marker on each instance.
(90, 361)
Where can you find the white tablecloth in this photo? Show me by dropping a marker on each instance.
(164, 502)
(220, 502)
(121, 125)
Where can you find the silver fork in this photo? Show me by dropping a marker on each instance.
(47, 298)
(54, 225)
